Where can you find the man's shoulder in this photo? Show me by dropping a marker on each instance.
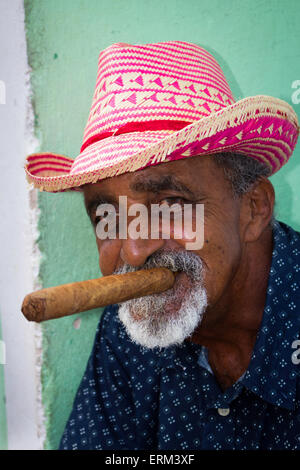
(284, 280)
(287, 246)
(287, 232)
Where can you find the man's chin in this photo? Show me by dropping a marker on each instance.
(165, 319)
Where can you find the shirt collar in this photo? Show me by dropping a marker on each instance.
(271, 373)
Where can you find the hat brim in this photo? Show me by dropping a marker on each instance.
(261, 127)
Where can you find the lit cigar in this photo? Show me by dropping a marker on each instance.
(67, 299)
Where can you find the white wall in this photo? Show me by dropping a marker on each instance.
(18, 214)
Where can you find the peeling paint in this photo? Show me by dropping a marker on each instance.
(32, 145)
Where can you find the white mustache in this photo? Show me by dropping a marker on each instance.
(155, 328)
(184, 261)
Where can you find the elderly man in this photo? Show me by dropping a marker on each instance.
(212, 362)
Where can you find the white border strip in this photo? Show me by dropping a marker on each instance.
(19, 253)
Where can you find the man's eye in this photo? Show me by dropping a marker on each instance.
(169, 201)
(97, 218)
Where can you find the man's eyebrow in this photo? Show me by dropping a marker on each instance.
(163, 183)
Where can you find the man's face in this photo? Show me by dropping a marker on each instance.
(205, 274)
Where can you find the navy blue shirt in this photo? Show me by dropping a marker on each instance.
(134, 398)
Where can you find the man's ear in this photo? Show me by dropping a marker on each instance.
(257, 209)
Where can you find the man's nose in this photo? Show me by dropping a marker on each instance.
(136, 252)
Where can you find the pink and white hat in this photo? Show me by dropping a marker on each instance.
(161, 102)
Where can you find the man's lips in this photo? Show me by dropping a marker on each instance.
(182, 278)
(180, 289)
(173, 298)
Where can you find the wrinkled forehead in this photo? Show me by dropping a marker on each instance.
(185, 177)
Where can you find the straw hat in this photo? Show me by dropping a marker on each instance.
(162, 102)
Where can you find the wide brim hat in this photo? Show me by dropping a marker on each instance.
(162, 102)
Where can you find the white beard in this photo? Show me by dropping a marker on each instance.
(154, 328)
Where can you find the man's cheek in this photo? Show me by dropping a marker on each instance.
(188, 227)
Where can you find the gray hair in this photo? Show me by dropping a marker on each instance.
(242, 172)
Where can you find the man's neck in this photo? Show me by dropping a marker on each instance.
(229, 328)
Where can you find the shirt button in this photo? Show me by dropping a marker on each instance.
(223, 411)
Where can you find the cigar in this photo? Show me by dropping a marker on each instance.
(67, 299)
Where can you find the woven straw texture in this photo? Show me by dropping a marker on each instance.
(161, 102)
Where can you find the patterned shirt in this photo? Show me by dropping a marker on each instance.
(135, 398)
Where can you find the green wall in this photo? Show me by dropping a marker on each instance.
(256, 42)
